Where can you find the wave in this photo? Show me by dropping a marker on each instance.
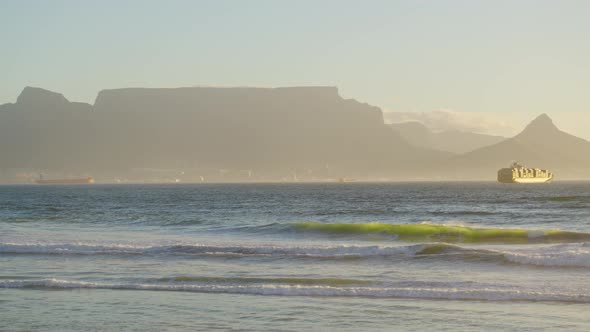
(202, 249)
(464, 213)
(250, 280)
(562, 255)
(189, 222)
(566, 198)
(18, 220)
(445, 233)
(558, 256)
(442, 293)
(75, 248)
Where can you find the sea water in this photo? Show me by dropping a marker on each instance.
(292, 257)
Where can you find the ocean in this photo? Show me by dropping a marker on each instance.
(434, 256)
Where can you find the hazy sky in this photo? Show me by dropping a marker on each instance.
(506, 58)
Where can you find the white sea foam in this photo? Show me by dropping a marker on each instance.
(561, 255)
(568, 255)
(70, 248)
(464, 293)
(184, 248)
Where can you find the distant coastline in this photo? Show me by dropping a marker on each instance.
(299, 134)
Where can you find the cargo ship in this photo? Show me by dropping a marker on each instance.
(518, 173)
(86, 180)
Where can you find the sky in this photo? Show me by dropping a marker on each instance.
(505, 61)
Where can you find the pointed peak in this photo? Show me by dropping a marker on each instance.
(540, 125)
(32, 95)
(543, 118)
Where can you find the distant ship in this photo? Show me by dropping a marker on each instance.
(518, 173)
(66, 181)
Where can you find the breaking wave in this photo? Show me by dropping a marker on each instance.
(418, 292)
(251, 280)
(202, 249)
(445, 233)
(562, 255)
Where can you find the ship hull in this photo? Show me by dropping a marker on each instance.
(66, 181)
(526, 180)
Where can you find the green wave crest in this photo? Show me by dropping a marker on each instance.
(445, 233)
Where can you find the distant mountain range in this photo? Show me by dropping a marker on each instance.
(217, 133)
(454, 141)
(255, 134)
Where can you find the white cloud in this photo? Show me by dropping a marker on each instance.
(504, 124)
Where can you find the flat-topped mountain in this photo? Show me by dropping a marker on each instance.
(308, 131)
(454, 141)
(244, 128)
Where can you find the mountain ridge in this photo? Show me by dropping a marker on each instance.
(272, 132)
(454, 141)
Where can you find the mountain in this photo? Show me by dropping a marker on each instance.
(43, 130)
(264, 134)
(541, 144)
(218, 132)
(454, 141)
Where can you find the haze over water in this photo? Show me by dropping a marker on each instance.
(348, 256)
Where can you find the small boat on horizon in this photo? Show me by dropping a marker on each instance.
(85, 180)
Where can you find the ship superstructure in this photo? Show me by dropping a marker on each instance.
(518, 173)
